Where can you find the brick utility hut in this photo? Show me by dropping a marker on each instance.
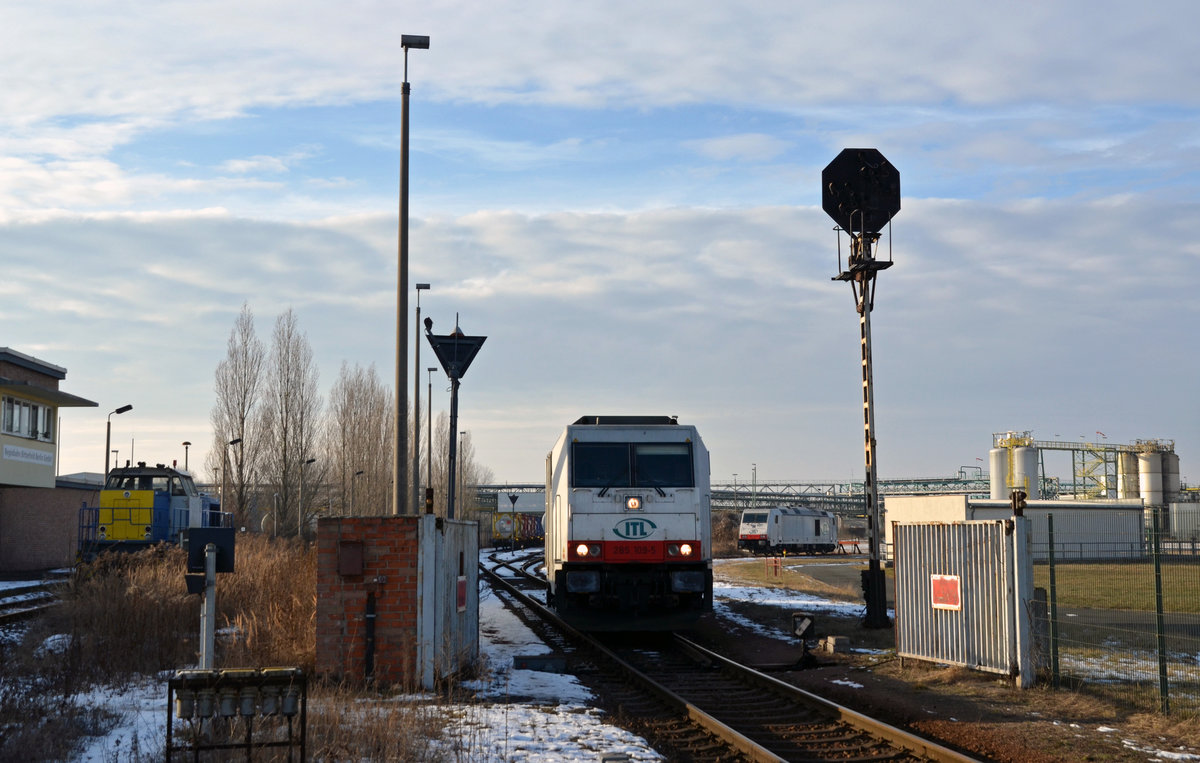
(397, 598)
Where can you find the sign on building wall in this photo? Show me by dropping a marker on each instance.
(28, 455)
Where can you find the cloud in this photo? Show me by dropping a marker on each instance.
(755, 147)
(726, 317)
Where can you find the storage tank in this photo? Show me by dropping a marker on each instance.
(1150, 479)
(1127, 475)
(998, 479)
(1170, 472)
(1025, 472)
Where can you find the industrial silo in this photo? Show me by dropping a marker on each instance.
(1025, 471)
(998, 479)
(1127, 475)
(1150, 478)
(1170, 476)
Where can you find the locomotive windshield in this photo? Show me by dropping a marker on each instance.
(615, 465)
(164, 482)
(756, 517)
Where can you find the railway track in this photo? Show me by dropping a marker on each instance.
(692, 704)
(21, 602)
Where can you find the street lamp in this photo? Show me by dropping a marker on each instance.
(186, 445)
(416, 432)
(353, 482)
(400, 422)
(225, 470)
(108, 435)
(300, 507)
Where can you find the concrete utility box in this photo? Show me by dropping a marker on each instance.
(397, 598)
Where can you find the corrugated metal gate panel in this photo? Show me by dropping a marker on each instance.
(978, 631)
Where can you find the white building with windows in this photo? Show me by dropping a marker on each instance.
(29, 403)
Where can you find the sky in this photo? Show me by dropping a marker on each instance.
(625, 199)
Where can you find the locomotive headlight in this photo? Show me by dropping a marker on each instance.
(633, 503)
(673, 549)
(584, 550)
(686, 549)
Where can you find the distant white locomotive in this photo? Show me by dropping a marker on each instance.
(790, 529)
(628, 524)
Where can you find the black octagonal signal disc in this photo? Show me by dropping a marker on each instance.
(860, 190)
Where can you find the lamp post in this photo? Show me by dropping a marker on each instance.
(416, 431)
(754, 486)
(300, 506)
(400, 422)
(186, 445)
(353, 483)
(225, 470)
(108, 435)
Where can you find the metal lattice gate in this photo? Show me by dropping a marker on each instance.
(964, 592)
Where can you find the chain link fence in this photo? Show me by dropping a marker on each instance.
(1122, 609)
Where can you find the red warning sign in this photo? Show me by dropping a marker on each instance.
(946, 593)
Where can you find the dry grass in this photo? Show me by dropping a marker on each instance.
(128, 615)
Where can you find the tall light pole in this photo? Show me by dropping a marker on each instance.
(860, 190)
(416, 431)
(300, 506)
(353, 483)
(400, 422)
(108, 435)
(225, 471)
(186, 445)
(754, 486)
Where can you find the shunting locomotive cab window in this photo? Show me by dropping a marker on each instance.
(612, 465)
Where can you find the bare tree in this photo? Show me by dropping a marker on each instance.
(290, 422)
(359, 442)
(238, 387)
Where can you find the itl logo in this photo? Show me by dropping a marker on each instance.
(634, 528)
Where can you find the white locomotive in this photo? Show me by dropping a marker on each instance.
(628, 524)
(788, 529)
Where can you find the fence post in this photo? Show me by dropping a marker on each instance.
(1055, 676)
(1164, 692)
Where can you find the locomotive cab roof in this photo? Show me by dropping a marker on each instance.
(627, 420)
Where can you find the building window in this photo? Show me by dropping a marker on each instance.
(26, 419)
